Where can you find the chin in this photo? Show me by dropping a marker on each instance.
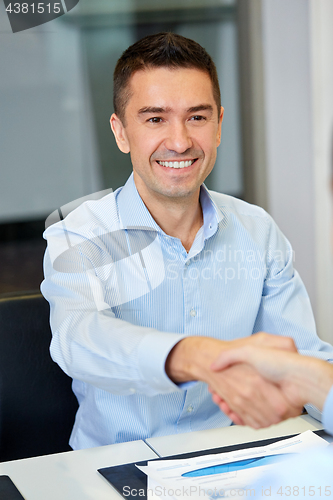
(179, 193)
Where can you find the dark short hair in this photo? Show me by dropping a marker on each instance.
(155, 51)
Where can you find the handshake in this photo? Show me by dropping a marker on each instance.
(256, 381)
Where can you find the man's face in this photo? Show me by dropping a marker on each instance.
(172, 131)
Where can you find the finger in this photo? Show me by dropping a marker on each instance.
(225, 408)
(216, 399)
(247, 420)
(234, 417)
(229, 357)
(256, 401)
(273, 341)
(223, 405)
(231, 414)
(280, 405)
(239, 387)
(260, 339)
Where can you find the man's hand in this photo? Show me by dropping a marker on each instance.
(253, 400)
(302, 379)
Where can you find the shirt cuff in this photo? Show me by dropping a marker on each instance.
(328, 412)
(153, 352)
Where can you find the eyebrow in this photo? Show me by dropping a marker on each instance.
(153, 109)
(201, 107)
(157, 109)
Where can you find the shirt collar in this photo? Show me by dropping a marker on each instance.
(131, 209)
(212, 215)
(134, 213)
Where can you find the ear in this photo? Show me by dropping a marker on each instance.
(219, 131)
(119, 133)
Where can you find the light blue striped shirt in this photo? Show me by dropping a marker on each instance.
(122, 297)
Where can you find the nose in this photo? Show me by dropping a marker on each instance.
(178, 138)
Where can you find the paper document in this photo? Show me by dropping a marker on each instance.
(213, 476)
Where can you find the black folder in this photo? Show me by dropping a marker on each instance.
(129, 476)
(8, 490)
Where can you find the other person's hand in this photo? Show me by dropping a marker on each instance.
(301, 379)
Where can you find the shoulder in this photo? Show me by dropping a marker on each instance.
(234, 206)
(87, 215)
(249, 221)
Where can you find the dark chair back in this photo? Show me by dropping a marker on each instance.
(37, 405)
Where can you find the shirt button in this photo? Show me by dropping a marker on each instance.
(193, 313)
(132, 390)
(187, 263)
(190, 409)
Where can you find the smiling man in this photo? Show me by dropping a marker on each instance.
(156, 279)
(172, 142)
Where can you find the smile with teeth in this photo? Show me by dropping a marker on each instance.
(176, 164)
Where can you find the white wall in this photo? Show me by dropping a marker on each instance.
(298, 70)
(321, 15)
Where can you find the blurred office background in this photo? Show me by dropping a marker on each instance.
(275, 63)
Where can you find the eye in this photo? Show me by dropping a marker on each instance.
(198, 118)
(155, 119)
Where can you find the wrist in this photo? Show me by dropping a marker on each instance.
(314, 380)
(191, 358)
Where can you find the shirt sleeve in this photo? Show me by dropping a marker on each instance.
(328, 412)
(88, 342)
(285, 307)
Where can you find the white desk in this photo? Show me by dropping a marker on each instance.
(73, 475)
(226, 436)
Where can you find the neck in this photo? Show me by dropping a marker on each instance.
(179, 218)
